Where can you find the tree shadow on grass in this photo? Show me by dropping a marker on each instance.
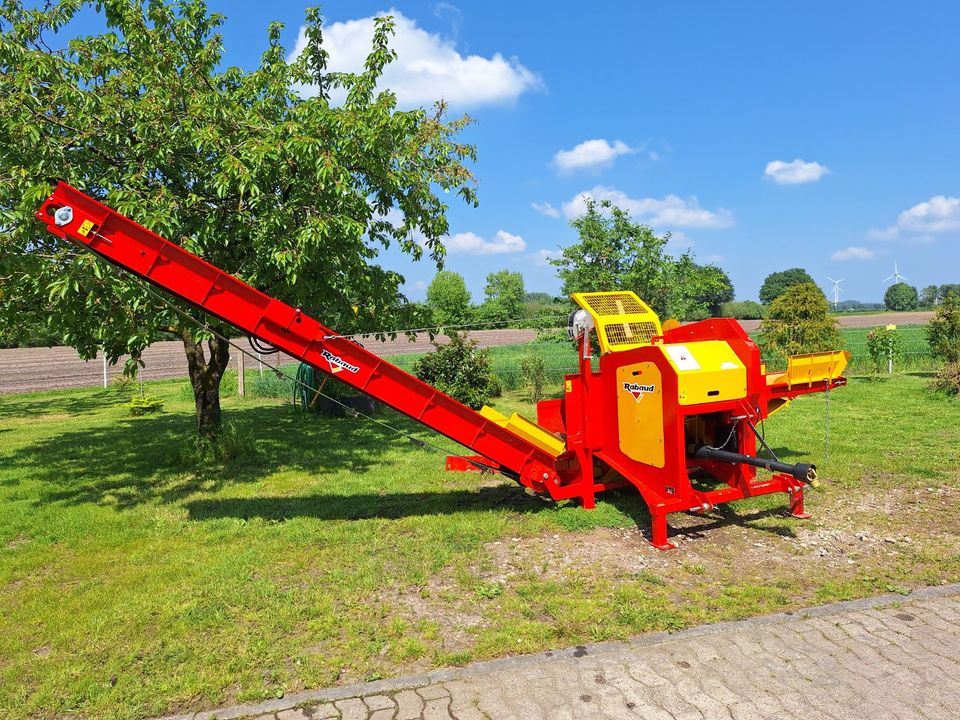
(134, 461)
(19, 406)
(364, 506)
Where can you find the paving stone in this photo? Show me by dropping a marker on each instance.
(409, 705)
(352, 709)
(294, 714)
(322, 711)
(379, 702)
(432, 692)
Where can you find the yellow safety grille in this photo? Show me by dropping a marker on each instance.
(630, 333)
(623, 321)
(615, 303)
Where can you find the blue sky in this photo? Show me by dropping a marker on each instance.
(823, 135)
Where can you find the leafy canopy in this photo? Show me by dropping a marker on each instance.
(901, 296)
(505, 296)
(776, 284)
(448, 298)
(295, 195)
(615, 253)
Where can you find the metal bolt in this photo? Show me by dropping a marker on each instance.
(63, 216)
(545, 476)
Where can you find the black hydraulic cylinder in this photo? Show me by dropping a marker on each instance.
(801, 471)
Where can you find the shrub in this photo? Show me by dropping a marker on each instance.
(145, 405)
(459, 369)
(799, 321)
(742, 310)
(883, 344)
(943, 331)
(534, 375)
(948, 379)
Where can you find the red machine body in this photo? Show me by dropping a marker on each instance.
(586, 442)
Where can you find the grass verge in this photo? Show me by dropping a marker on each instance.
(139, 578)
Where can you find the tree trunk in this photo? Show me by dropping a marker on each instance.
(205, 375)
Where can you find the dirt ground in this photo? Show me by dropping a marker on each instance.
(32, 369)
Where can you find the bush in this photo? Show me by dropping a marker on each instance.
(534, 375)
(943, 331)
(742, 310)
(460, 370)
(799, 321)
(145, 405)
(948, 379)
(883, 344)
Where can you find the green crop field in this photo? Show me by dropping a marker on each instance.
(139, 578)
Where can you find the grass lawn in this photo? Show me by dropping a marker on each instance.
(134, 582)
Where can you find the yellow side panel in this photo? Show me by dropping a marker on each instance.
(527, 429)
(623, 321)
(530, 431)
(640, 412)
(707, 371)
(490, 414)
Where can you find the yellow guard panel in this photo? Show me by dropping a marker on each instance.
(707, 371)
(640, 412)
(623, 321)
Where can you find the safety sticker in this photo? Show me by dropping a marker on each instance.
(84, 228)
(682, 357)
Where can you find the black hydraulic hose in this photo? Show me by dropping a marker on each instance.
(801, 471)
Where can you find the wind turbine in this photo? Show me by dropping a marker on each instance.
(836, 290)
(896, 277)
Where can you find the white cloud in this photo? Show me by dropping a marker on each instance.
(427, 67)
(472, 244)
(546, 209)
(795, 172)
(542, 258)
(853, 253)
(669, 211)
(885, 234)
(591, 154)
(937, 215)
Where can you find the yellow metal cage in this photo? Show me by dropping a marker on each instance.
(623, 321)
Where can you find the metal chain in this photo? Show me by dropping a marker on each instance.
(733, 429)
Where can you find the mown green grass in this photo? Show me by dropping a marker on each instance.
(134, 583)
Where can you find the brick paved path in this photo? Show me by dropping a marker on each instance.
(883, 658)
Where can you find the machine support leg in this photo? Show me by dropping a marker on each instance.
(796, 504)
(589, 500)
(658, 532)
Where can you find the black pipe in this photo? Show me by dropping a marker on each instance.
(801, 471)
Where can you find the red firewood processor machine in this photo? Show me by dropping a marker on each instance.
(671, 410)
